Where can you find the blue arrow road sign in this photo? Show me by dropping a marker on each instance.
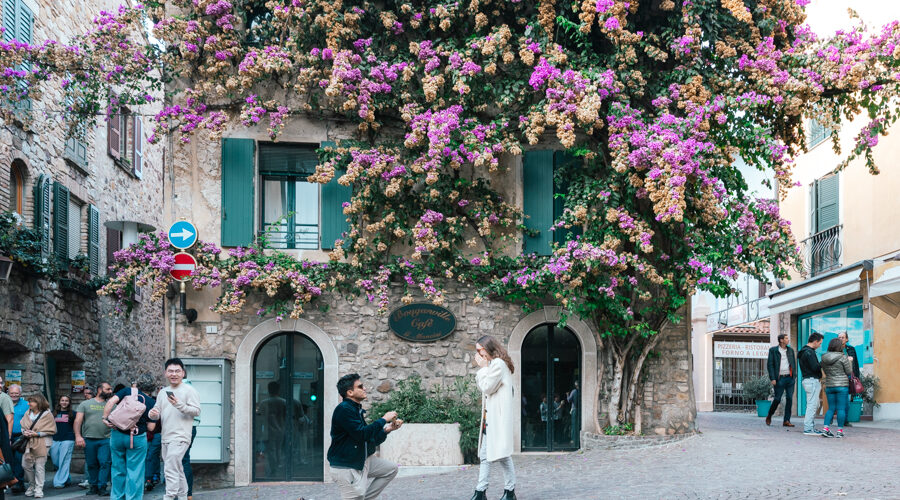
(182, 234)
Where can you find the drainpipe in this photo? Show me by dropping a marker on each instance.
(172, 328)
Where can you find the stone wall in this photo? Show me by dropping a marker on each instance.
(43, 325)
(366, 345)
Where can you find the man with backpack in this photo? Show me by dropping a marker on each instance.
(129, 422)
(176, 405)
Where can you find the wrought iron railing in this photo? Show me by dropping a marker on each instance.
(822, 251)
(303, 236)
(737, 312)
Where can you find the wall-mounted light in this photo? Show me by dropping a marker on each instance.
(5, 267)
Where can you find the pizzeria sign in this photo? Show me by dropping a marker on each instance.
(755, 350)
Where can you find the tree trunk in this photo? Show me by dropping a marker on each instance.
(636, 373)
(615, 393)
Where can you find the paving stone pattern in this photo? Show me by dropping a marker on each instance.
(734, 457)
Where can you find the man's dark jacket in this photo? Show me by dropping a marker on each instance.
(851, 351)
(774, 363)
(809, 362)
(352, 441)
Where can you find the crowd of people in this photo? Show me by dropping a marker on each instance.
(128, 436)
(838, 367)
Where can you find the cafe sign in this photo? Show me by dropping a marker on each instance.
(422, 322)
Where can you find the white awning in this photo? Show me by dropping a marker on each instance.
(814, 292)
(885, 292)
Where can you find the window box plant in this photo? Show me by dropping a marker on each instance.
(759, 389)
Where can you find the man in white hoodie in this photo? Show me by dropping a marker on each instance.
(176, 406)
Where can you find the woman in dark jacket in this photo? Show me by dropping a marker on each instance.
(837, 367)
(5, 451)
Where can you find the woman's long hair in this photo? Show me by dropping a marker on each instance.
(835, 345)
(70, 411)
(496, 350)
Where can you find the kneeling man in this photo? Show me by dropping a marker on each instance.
(359, 475)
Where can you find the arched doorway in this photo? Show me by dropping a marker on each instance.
(288, 409)
(551, 396)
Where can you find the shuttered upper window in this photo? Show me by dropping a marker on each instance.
(824, 204)
(16, 189)
(817, 133)
(297, 214)
(18, 24)
(544, 200)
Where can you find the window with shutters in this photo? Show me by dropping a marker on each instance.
(113, 245)
(289, 204)
(16, 189)
(42, 211)
(76, 148)
(74, 229)
(544, 190)
(822, 249)
(18, 24)
(61, 223)
(137, 146)
(817, 133)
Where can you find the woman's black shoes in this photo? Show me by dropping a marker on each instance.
(479, 495)
(508, 495)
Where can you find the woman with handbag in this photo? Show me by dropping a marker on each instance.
(39, 427)
(495, 441)
(836, 366)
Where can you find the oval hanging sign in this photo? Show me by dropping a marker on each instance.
(422, 322)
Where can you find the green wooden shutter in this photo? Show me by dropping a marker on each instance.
(42, 213)
(237, 192)
(562, 159)
(334, 195)
(537, 199)
(828, 205)
(61, 222)
(9, 19)
(94, 239)
(813, 208)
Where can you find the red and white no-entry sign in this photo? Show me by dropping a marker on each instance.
(185, 264)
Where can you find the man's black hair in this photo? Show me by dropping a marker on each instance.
(815, 337)
(346, 382)
(175, 361)
(781, 336)
(274, 388)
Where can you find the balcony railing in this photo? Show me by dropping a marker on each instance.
(737, 312)
(822, 251)
(304, 236)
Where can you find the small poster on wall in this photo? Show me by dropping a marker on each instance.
(78, 380)
(13, 377)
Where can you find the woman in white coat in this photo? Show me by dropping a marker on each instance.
(495, 443)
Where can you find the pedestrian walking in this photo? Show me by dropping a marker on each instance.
(811, 371)
(6, 414)
(850, 351)
(128, 445)
(20, 407)
(39, 427)
(358, 473)
(495, 441)
(93, 435)
(837, 367)
(63, 441)
(176, 408)
(781, 372)
(88, 393)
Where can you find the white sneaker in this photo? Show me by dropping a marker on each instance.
(84, 484)
(29, 492)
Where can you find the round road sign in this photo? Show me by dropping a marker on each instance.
(185, 264)
(182, 234)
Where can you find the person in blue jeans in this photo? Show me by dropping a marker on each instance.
(128, 448)
(63, 441)
(837, 366)
(93, 435)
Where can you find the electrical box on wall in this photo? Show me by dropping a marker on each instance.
(211, 377)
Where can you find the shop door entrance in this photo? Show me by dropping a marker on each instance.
(551, 396)
(288, 435)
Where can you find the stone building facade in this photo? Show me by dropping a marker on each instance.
(337, 336)
(93, 194)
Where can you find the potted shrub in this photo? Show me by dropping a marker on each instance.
(870, 384)
(440, 415)
(759, 389)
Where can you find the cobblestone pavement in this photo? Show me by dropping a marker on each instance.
(735, 457)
